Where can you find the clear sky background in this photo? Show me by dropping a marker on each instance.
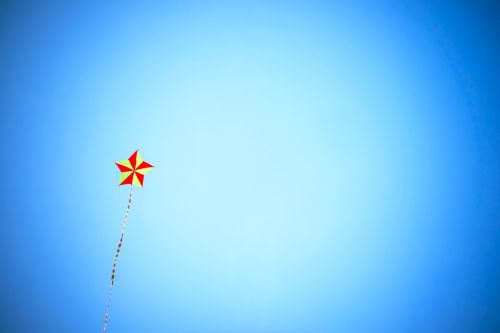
(319, 166)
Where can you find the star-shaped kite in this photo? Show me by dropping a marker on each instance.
(133, 170)
(132, 173)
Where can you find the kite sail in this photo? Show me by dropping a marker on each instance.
(132, 173)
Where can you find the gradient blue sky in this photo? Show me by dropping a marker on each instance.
(319, 167)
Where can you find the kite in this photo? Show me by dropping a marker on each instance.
(132, 173)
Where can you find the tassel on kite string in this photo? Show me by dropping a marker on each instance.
(117, 254)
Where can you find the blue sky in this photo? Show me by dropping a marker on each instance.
(319, 167)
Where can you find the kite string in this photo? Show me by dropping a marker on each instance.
(110, 294)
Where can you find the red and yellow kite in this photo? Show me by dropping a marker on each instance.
(133, 170)
(132, 173)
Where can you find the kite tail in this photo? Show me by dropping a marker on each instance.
(124, 226)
